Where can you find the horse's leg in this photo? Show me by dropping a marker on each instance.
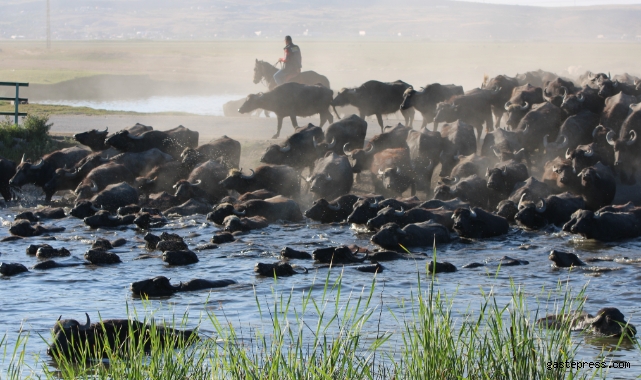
(379, 117)
(280, 125)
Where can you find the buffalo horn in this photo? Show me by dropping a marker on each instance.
(504, 170)
(371, 148)
(239, 213)
(249, 176)
(347, 152)
(375, 204)
(564, 143)
(497, 153)
(106, 129)
(94, 186)
(380, 172)
(22, 160)
(633, 138)
(288, 147)
(487, 172)
(543, 206)
(581, 98)
(610, 138)
(399, 213)
(332, 144)
(334, 107)
(472, 213)
(526, 106)
(72, 174)
(596, 129)
(521, 201)
(633, 105)
(313, 140)
(39, 164)
(507, 105)
(86, 325)
(197, 183)
(589, 153)
(568, 154)
(328, 177)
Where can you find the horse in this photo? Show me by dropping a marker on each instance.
(265, 71)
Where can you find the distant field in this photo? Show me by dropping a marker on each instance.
(227, 66)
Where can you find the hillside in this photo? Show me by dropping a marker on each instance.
(330, 19)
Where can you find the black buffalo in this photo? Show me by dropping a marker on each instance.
(475, 223)
(279, 179)
(125, 142)
(426, 99)
(425, 150)
(292, 99)
(555, 209)
(297, 151)
(332, 212)
(161, 287)
(604, 226)
(332, 176)
(598, 186)
(424, 234)
(225, 149)
(375, 98)
(616, 110)
(474, 108)
(627, 155)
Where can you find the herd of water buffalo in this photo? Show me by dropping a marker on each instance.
(579, 139)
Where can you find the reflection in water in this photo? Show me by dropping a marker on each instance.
(37, 298)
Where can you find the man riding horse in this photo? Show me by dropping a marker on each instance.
(291, 62)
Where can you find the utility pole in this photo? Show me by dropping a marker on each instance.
(48, 26)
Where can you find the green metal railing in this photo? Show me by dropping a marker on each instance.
(17, 99)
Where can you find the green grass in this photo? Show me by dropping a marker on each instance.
(331, 334)
(30, 138)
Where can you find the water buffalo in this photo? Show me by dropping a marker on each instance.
(505, 86)
(554, 90)
(272, 209)
(161, 287)
(279, 179)
(394, 137)
(559, 175)
(367, 208)
(474, 108)
(332, 176)
(616, 110)
(7, 171)
(598, 186)
(576, 130)
(203, 183)
(565, 259)
(292, 99)
(73, 340)
(94, 139)
(536, 78)
(532, 188)
(604, 226)
(504, 144)
(458, 140)
(504, 176)
(392, 171)
(609, 322)
(470, 165)
(588, 155)
(521, 101)
(297, 151)
(225, 149)
(332, 212)
(627, 156)
(114, 196)
(104, 219)
(349, 131)
(375, 98)
(163, 177)
(426, 99)
(69, 179)
(476, 223)
(584, 99)
(608, 88)
(425, 151)
(233, 223)
(125, 142)
(555, 209)
(472, 189)
(415, 215)
(183, 137)
(279, 269)
(543, 119)
(101, 177)
(139, 163)
(424, 234)
(43, 171)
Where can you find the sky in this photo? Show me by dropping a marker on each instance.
(557, 3)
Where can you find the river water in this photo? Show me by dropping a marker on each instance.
(34, 300)
(208, 105)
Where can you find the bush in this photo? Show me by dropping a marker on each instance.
(31, 138)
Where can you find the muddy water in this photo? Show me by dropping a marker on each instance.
(35, 299)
